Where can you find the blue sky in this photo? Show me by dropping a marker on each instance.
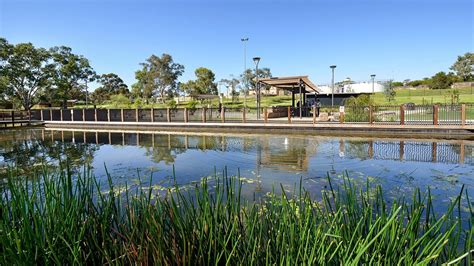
(393, 39)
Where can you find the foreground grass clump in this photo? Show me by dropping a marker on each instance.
(63, 219)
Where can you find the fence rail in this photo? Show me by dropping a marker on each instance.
(461, 114)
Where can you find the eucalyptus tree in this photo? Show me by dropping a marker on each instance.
(71, 74)
(112, 84)
(464, 67)
(25, 72)
(157, 77)
(203, 84)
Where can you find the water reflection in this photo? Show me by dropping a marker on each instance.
(264, 160)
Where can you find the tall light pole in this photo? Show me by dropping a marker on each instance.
(373, 82)
(244, 41)
(332, 84)
(256, 60)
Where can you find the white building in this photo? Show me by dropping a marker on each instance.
(352, 87)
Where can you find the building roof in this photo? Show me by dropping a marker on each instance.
(291, 83)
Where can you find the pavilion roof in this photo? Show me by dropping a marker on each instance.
(291, 83)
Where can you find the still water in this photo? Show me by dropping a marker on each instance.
(263, 161)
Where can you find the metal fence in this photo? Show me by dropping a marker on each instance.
(461, 114)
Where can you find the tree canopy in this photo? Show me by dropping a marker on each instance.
(204, 83)
(464, 67)
(70, 75)
(248, 77)
(25, 72)
(158, 77)
(440, 81)
(112, 84)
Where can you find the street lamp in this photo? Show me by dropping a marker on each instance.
(373, 82)
(256, 60)
(244, 41)
(332, 94)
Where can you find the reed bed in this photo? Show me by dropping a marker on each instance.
(65, 218)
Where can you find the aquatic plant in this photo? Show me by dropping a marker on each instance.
(64, 218)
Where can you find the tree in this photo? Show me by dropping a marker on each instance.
(112, 84)
(389, 91)
(440, 81)
(158, 76)
(232, 83)
(204, 83)
(25, 72)
(248, 77)
(464, 67)
(71, 72)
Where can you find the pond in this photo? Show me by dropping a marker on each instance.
(263, 161)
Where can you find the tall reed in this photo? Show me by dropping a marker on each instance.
(63, 219)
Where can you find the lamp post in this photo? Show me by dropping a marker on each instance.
(244, 41)
(332, 84)
(373, 83)
(256, 60)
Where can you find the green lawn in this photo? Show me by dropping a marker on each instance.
(417, 96)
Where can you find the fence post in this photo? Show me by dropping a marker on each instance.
(121, 115)
(289, 114)
(168, 115)
(371, 115)
(152, 114)
(314, 114)
(95, 114)
(402, 114)
(61, 114)
(108, 115)
(265, 115)
(244, 119)
(185, 115)
(136, 114)
(223, 114)
(463, 114)
(203, 114)
(435, 114)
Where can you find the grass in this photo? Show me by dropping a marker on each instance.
(59, 218)
(417, 96)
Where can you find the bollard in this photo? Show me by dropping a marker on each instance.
(95, 114)
(341, 117)
(265, 115)
(152, 114)
(61, 114)
(72, 115)
(121, 115)
(137, 115)
(108, 115)
(463, 114)
(185, 115)
(168, 115)
(244, 119)
(42, 115)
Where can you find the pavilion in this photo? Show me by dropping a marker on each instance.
(295, 84)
